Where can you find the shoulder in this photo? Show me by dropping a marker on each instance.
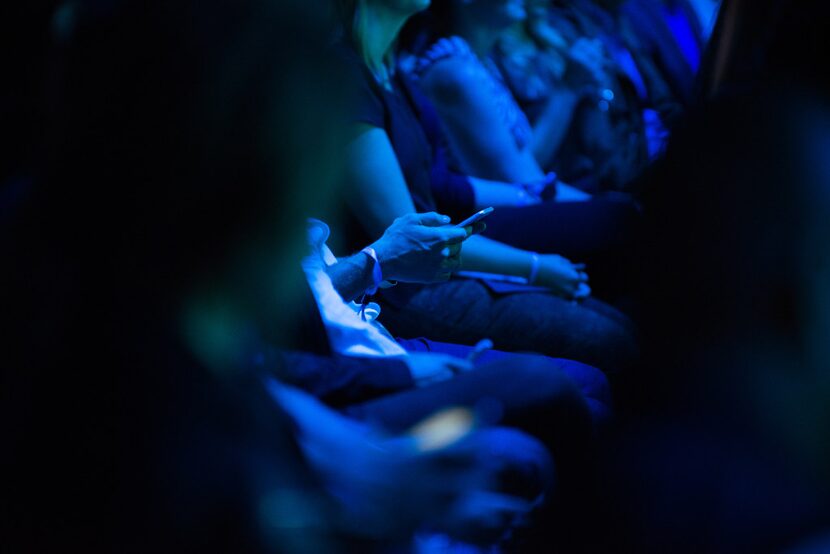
(449, 71)
(366, 100)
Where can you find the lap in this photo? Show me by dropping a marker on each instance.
(574, 229)
(522, 464)
(466, 311)
(591, 382)
(506, 390)
(600, 233)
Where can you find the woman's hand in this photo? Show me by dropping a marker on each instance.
(563, 277)
(428, 368)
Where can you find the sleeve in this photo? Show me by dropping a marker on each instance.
(366, 106)
(340, 381)
(453, 192)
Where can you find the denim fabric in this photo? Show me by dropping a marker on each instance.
(465, 311)
(591, 382)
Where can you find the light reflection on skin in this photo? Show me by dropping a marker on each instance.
(443, 429)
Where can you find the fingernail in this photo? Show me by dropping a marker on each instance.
(445, 219)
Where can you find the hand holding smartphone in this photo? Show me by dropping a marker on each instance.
(475, 218)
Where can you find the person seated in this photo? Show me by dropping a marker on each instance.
(444, 478)
(640, 91)
(415, 249)
(370, 377)
(505, 150)
(579, 103)
(669, 33)
(388, 175)
(166, 438)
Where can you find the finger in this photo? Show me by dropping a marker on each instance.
(582, 292)
(584, 277)
(502, 502)
(451, 251)
(568, 290)
(459, 365)
(432, 219)
(580, 267)
(479, 228)
(450, 265)
(449, 259)
(455, 235)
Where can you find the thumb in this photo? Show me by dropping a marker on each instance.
(432, 219)
(459, 365)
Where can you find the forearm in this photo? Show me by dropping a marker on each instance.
(497, 193)
(489, 256)
(341, 381)
(352, 276)
(377, 189)
(553, 125)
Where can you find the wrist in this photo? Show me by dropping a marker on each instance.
(524, 197)
(384, 258)
(535, 264)
(375, 268)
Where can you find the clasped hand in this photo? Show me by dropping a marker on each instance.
(563, 277)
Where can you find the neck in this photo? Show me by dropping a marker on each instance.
(382, 26)
(480, 38)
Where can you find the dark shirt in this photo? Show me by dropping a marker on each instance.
(397, 111)
(414, 131)
(341, 381)
(306, 360)
(391, 111)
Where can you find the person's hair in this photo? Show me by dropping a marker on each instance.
(351, 25)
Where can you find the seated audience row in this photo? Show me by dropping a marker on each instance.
(245, 279)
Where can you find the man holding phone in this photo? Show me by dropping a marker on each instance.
(416, 248)
(420, 248)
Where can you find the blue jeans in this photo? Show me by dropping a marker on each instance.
(464, 311)
(591, 382)
(558, 402)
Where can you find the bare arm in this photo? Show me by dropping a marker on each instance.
(496, 193)
(553, 271)
(552, 127)
(490, 256)
(484, 145)
(381, 195)
(352, 276)
(377, 185)
(416, 248)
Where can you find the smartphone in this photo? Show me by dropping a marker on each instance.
(475, 218)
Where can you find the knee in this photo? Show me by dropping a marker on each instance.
(544, 378)
(591, 382)
(615, 346)
(523, 465)
(567, 382)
